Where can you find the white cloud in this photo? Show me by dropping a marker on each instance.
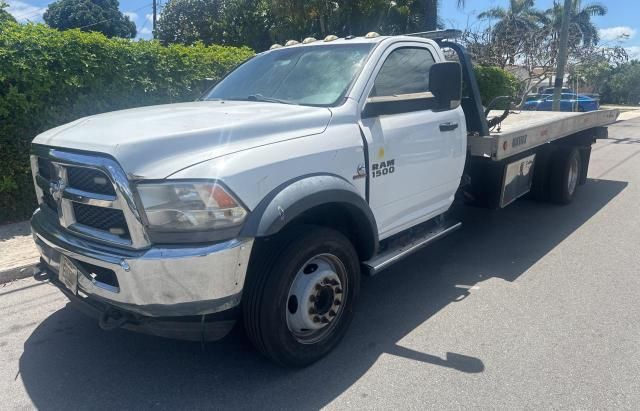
(633, 52)
(617, 33)
(133, 16)
(145, 30)
(145, 33)
(24, 11)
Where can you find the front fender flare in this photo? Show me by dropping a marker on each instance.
(289, 200)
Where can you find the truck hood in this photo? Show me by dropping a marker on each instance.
(156, 141)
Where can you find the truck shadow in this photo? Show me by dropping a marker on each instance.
(12, 230)
(68, 362)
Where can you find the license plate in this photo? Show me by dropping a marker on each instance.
(68, 274)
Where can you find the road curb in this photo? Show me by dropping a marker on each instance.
(17, 273)
(628, 115)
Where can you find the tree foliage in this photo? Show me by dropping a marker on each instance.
(582, 31)
(49, 77)
(260, 23)
(622, 85)
(236, 22)
(525, 40)
(5, 16)
(494, 81)
(103, 16)
(521, 17)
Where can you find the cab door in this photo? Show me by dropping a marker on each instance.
(416, 157)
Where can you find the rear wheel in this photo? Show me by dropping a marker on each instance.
(565, 171)
(299, 302)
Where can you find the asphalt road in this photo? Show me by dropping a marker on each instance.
(535, 306)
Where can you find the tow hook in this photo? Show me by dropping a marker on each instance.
(112, 319)
(41, 272)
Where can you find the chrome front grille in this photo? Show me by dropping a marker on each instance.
(90, 180)
(89, 195)
(105, 219)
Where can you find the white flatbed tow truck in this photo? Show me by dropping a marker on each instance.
(306, 167)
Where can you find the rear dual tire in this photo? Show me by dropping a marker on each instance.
(300, 294)
(557, 174)
(566, 166)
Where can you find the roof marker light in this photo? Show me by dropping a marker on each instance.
(275, 46)
(331, 37)
(309, 40)
(291, 43)
(371, 35)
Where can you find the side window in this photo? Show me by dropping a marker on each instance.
(405, 71)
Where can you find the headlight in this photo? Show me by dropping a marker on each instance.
(185, 206)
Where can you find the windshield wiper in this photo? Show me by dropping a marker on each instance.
(260, 97)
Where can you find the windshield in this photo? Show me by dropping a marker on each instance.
(315, 75)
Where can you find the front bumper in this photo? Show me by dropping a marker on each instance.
(157, 282)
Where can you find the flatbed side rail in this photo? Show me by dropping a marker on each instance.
(530, 129)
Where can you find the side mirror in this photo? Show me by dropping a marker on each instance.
(445, 82)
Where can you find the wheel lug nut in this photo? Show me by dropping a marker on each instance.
(338, 290)
(332, 313)
(334, 282)
(336, 302)
(325, 320)
(316, 319)
(312, 310)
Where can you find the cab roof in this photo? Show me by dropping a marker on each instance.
(421, 37)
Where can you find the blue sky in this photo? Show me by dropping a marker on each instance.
(622, 17)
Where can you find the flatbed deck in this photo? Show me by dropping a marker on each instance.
(524, 130)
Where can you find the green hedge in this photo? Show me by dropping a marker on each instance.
(494, 82)
(49, 77)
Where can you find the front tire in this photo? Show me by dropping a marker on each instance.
(300, 295)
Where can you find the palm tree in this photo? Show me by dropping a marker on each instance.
(516, 26)
(581, 30)
(521, 14)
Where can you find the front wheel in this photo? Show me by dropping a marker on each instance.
(299, 302)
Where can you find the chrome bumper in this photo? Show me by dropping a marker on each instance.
(157, 282)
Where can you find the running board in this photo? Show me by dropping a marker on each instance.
(389, 257)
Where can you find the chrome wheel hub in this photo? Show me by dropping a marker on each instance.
(316, 298)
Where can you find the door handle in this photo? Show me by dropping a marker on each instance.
(448, 126)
